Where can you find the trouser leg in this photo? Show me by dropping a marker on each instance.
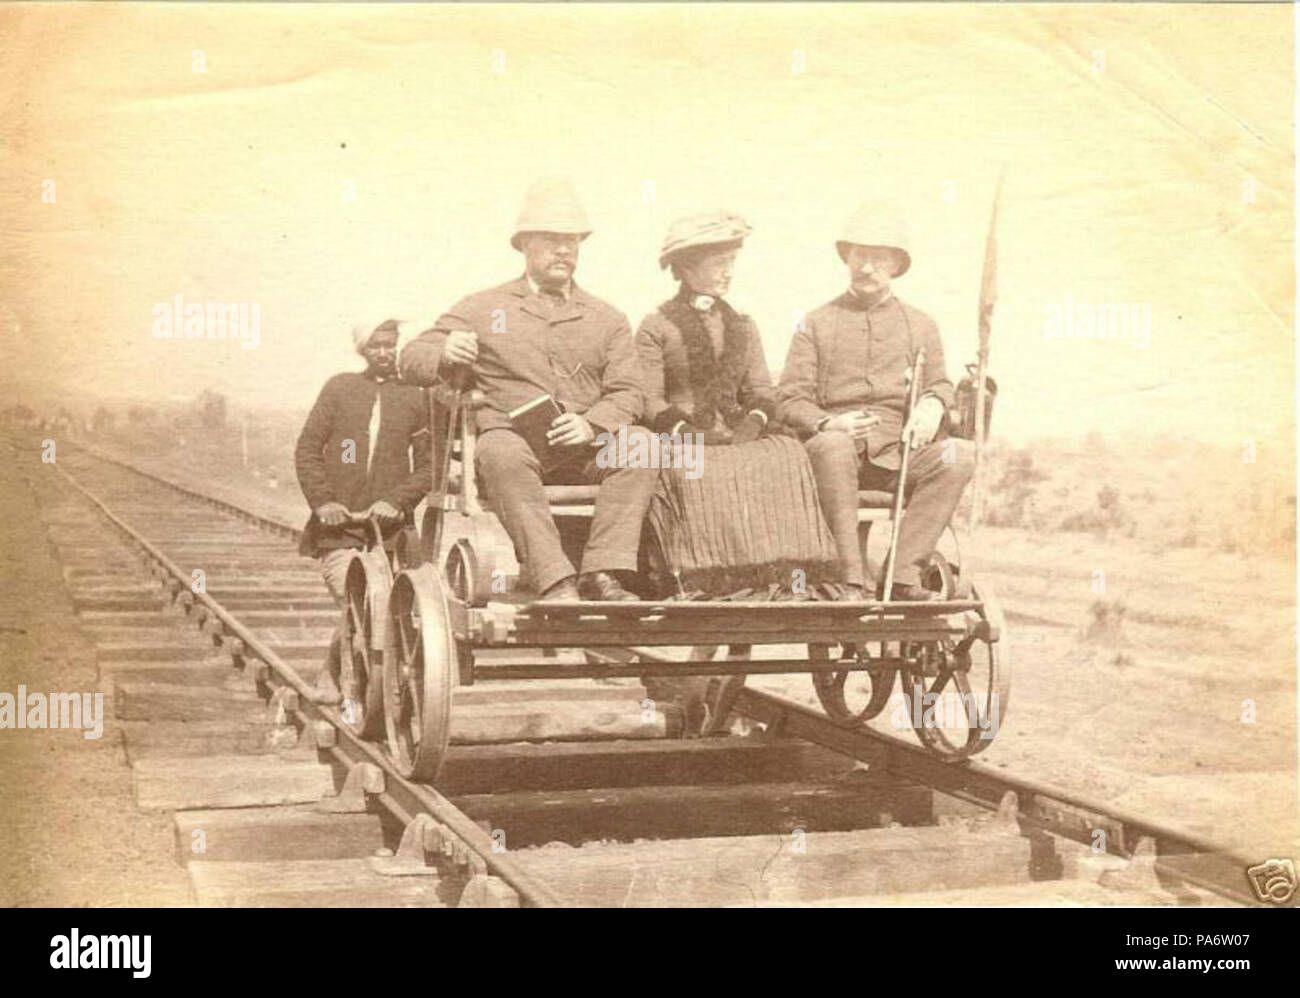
(937, 485)
(834, 462)
(514, 479)
(621, 506)
(334, 570)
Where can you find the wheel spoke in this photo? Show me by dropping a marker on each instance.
(941, 680)
(359, 681)
(830, 687)
(977, 672)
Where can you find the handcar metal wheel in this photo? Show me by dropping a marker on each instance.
(360, 674)
(406, 550)
(956, 692)
(464, 578)
(854, 697)
(420, 670)
(850, 698)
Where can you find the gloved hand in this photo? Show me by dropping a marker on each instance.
(925, 421)
(750, 428)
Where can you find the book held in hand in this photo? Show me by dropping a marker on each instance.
(532, 421)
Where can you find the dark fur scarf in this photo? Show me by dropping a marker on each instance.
(714, 381)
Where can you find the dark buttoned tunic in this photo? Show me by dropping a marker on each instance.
(331, 470)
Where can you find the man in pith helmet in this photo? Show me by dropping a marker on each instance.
(541, 334)
(845, 389)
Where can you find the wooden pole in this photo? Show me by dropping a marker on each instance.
(988, 297)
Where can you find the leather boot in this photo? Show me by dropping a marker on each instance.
(564, 591)
(904, 592)
(602, 586)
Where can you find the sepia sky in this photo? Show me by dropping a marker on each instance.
(1129, 136)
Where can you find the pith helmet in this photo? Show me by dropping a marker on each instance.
(705, 229)
(871, 225)
(551, 205)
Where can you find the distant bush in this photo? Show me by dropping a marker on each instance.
(1014, 493)
(1188, 539)
(1107, 620)
(1107, 515)
(1167, 495)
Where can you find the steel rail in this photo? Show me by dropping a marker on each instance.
(257, 519)
(1180, 854)
(348, 748)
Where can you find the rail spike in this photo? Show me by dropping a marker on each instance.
(362, 779)
(413, 851)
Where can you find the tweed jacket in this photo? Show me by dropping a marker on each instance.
(854, 355)
(580, 352)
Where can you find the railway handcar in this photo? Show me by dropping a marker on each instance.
(447, 607)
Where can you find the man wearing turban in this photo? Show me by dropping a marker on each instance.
(364, 451)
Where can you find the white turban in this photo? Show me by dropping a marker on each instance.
(363, 330)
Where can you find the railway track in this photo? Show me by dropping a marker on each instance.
(553, 793)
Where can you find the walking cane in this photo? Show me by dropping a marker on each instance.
(905, 441)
